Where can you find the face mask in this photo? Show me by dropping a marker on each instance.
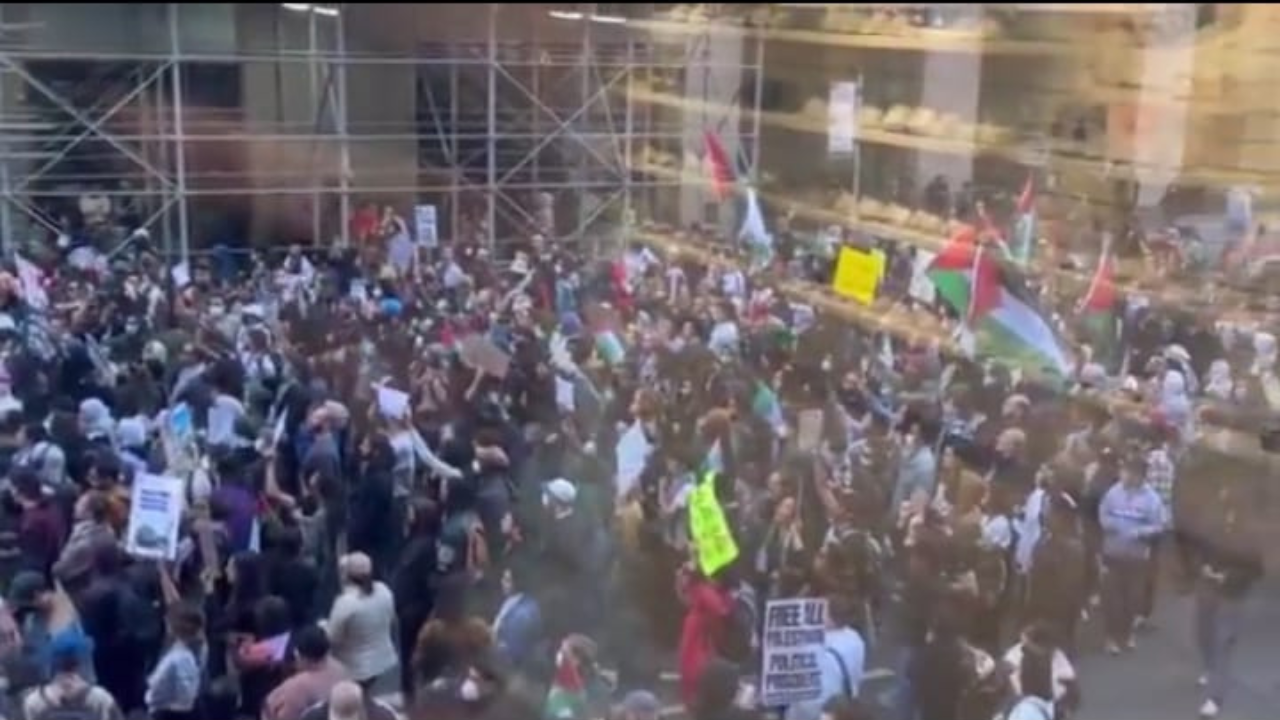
(470, 690)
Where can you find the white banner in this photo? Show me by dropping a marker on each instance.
(842, 118)
(794, 637)
(424, 223)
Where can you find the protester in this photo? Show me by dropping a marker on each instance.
(316, 672)
(841, 662)
(68, 694)
(174, 686)
(361, 622)
(488, 474)
(1131, 515)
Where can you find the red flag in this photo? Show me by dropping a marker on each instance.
(1027, 200)
(985, 294)
(1101, 296)
(722, 178)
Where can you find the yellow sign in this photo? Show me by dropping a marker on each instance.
(858, 274)
(710, 531)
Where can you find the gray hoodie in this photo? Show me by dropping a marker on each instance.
(1130, 518)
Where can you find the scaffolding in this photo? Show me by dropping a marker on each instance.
(505, 137)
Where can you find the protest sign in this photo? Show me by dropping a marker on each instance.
(710, 531)
(842, 117)
(424, 221)
(479, 352)
(858, 274)
(177, 437)
(392, 404)
(155, 511)
(794, 638)
(809, 425)
(631, 452)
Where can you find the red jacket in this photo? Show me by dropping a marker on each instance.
(709, 607)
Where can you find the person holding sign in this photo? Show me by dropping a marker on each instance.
(840, 663)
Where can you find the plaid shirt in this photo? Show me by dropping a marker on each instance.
(1161, 474)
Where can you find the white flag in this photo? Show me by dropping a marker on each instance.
(32, 283)
(753, 230)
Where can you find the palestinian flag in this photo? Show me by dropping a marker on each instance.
(998, 312)
(765, 405)
(722, 175)
(1024, 224)
(567, 698)
(1097, 312)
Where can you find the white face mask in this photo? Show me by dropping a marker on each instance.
(470, 690)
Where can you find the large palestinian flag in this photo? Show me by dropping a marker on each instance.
(996, 309)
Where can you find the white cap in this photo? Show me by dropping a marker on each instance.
(561, 491)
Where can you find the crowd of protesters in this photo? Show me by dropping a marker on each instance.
(510, 539)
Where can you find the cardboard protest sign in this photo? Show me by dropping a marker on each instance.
(709, 529)
(479, 352)
(155, 512)
(858, 274)
(809, 426)
(794, 638)
(602, 318)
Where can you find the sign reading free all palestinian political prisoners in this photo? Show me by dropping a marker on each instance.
(794, 638)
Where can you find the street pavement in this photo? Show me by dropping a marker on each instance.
(1157, 681)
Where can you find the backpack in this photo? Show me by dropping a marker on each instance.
(741, 638)
(70, 707)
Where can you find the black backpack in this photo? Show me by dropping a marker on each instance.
(741, 637)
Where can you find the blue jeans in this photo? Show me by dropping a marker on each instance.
(902, 695)
(1218, 621)
(1123, 588)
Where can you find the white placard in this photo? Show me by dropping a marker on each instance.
(155, 511)
(181, 274)
(424, 223)
(794, 638)
(392, 403)
(632, 452)
(842, 118)
(921, 287)
(565, 394)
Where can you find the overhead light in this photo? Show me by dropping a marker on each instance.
(565, 15)
(609, 19)
(326, 10)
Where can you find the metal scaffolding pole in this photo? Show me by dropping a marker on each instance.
(586, 99)
(180, 149)
(313, 78)
(344, 143)
(755, 117)
(455, 194)
(491, 175)
(6, 192)
(628, 143)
